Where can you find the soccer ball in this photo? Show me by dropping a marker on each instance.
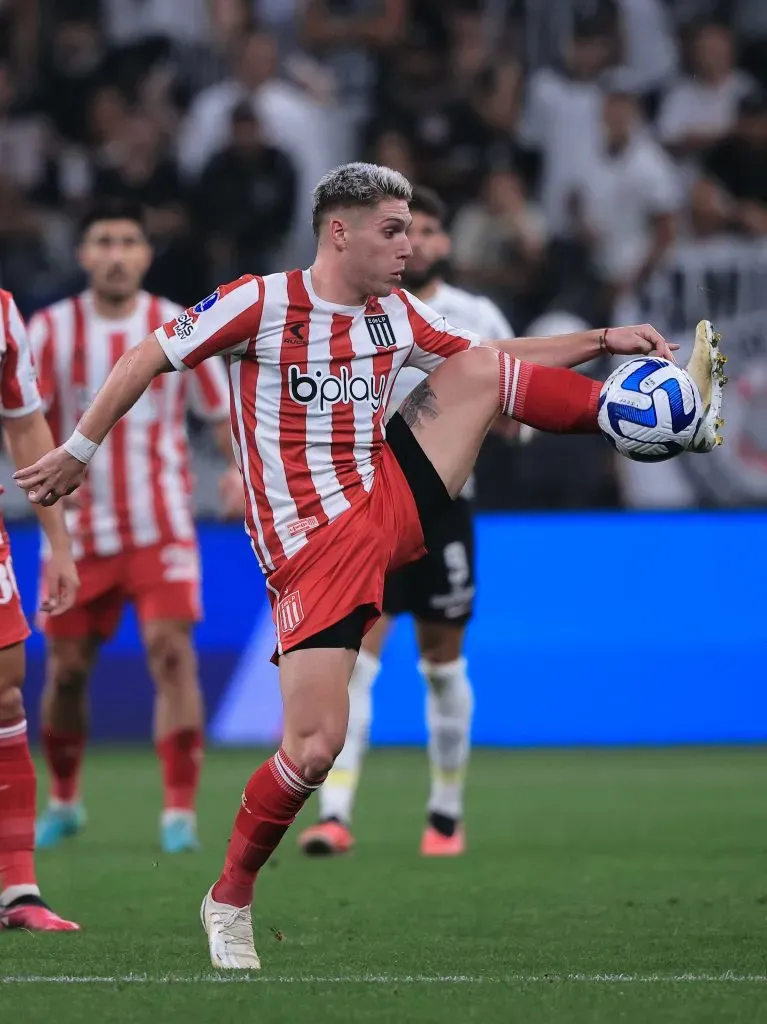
(649, 409)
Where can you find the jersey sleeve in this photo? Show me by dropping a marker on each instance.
(19, 394)
(209, 391)
(222, 324)
(41, 342)
(434, 339)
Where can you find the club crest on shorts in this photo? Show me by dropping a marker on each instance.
(379, 327)
(289, 613)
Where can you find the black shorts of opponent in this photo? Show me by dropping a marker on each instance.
(431, 500)
(440, 586)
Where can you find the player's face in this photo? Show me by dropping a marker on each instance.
(115, 255)
(431, 247)
(377, 246)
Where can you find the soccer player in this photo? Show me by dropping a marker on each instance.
(333, 500)
(438, 590)
(28, 437)
(131, 524)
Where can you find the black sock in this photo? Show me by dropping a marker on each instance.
(443, 824)
(27, 901)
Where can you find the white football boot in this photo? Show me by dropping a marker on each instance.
(230, 935)
(706, 367)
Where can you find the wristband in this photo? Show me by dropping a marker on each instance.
(604, 350)
(80, 447)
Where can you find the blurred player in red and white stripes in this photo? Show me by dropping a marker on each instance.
(131, 524)
(334, 499)
(26, 432)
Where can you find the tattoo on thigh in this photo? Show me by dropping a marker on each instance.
(420, 404)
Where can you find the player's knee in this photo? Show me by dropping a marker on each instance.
(316, 753)
(169, 652)
(450, 683)
(11, 702)
(478, 369)
(67, 672)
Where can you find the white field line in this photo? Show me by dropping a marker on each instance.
(728, 977)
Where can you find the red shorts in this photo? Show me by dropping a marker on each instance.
(344, 564)
(162, 581)
(14, 628)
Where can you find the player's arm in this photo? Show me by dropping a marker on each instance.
(62, 470)
(435, 340)
(224, 322)
(28, 438)
(568, 350)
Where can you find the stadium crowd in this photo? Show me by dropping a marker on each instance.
(580, 146)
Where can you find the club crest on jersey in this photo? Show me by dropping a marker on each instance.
(290, 613)
(379, 328)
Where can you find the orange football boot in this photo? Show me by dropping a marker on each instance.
(326, 839)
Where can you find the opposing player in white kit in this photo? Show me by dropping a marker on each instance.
(438, 590)
(334, 500)
(132, 525)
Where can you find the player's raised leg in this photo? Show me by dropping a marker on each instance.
(314, 684)
(64, 720)
(332, 834)
(20, 902)
(178, 728)
(451, 411)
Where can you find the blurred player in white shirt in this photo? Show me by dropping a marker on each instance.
(438, 590)
(131, 524)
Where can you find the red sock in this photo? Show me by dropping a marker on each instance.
(549, 398)
(64, 757)
(181, 754)
(273, 797)
(17, 806)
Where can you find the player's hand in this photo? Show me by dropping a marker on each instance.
(639, 340)
(232, 494)
(61, 583)
(52, 477)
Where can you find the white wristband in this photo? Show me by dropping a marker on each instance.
(81, 447)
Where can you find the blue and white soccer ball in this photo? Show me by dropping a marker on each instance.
(649, 409)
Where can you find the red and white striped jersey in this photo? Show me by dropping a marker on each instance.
(19, 394)
(309, 383)
(138, 489)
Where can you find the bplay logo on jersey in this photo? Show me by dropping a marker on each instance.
(326, 389)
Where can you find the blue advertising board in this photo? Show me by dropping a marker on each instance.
(590, 629)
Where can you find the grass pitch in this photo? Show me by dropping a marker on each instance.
(598, 887)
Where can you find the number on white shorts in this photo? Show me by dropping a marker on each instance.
(456, 563)
(8, 588)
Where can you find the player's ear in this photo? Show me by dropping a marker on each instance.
(337, 231)
(82, 258)
(447, 246)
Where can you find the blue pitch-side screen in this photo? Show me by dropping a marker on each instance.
(590, 629)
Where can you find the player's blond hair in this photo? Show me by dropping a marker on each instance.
(357, 184)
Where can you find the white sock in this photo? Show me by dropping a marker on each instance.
(173, 814)
(336, 795)
(15, 892)
(449, 707)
